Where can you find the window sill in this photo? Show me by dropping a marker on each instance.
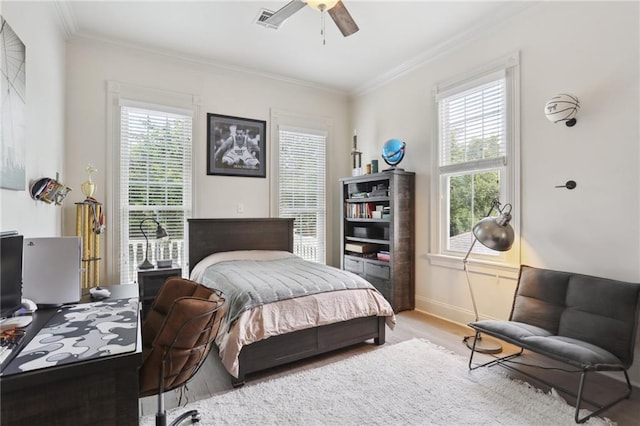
(477, 266)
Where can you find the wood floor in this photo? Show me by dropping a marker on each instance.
(213, 379)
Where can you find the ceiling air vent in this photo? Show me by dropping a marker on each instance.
(263, 16)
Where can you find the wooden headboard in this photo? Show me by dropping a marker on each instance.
(208, 236)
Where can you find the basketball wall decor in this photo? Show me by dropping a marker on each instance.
(562, 107)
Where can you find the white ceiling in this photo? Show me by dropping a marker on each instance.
(393, 36)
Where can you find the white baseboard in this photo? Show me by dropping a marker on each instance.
(447, 312)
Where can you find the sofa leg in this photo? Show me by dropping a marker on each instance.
(579, 398)
(471, 355)
(493, 361)
(503, 362)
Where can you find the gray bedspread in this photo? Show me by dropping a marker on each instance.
(247, 284)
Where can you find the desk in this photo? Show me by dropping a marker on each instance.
(98, 391)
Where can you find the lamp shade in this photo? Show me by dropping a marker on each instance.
(495, 232)
(161, 232)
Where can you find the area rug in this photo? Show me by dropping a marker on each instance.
(410, 383)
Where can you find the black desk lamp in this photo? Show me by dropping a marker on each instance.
(160, 233)
(496, 234)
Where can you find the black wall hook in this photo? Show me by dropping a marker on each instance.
(571, 184)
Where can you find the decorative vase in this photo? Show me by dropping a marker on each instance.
(88, 188)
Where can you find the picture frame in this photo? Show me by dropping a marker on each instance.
(236, 146)
(13, 87)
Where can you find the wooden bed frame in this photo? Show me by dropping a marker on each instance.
(207, 236)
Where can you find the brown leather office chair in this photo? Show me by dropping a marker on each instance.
(177, 335)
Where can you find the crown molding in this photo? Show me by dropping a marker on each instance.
(177, 57)
(66, 18)
(430, 55)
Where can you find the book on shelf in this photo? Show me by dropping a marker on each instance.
(361, 247)
(358, 195)
(362, 255)
(383, 255)
(360, 210)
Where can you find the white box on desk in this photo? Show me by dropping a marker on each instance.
(51, 270)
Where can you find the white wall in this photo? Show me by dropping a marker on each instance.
(91, 64)
(590, 49)
(36, 24)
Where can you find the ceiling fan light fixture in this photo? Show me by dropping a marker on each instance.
(322, 5)
(334, 8)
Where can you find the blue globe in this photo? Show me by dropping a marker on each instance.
(393, 152)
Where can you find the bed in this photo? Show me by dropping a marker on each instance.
(216, 237)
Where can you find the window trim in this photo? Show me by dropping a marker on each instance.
(301, 122)
(119, 93)
(438, 254)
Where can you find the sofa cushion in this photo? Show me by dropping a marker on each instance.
(509, 330)
(540, 297)
(602, 312)
(573, 351)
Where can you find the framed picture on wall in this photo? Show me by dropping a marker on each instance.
(13, 121)
(236, 146)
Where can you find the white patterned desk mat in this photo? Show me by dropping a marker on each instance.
(79, 333)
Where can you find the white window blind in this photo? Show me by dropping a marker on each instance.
(472, 128)
(301, 189)
(155, 182)
(472, 157)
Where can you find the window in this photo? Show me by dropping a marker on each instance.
(154, 181)
(301, 188)
(476, 158)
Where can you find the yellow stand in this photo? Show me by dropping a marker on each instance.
(87, 223)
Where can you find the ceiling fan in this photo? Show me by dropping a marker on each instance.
(335, 8)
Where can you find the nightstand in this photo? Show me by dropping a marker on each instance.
(150, 281)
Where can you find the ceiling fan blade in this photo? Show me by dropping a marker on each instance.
(285, 12)
(343, 19)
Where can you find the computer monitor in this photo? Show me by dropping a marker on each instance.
(10, 273)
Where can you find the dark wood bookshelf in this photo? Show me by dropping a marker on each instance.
(394, 234)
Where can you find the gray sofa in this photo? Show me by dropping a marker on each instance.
(585, 321)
